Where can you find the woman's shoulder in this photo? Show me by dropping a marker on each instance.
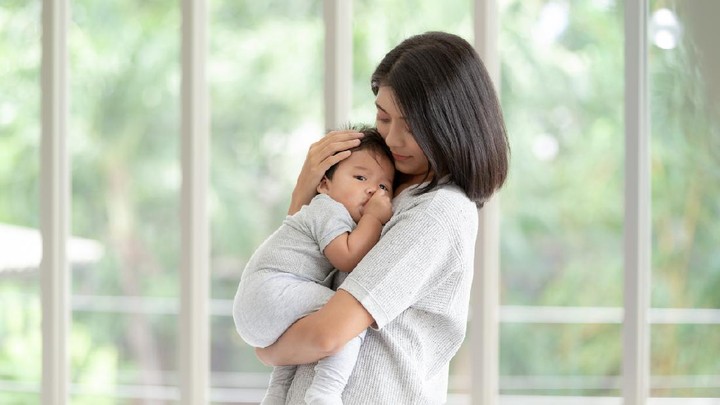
(444, 195)
(446, 203)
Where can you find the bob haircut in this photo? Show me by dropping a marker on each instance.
(371, 141)
(447, 97)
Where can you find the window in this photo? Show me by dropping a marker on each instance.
(685, 157)
(20, 242)
(562, 208)
(562, 218)
(265, 71)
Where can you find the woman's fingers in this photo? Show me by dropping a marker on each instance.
(333, 159)
(334, 142)
(336, 147)
(343, 135)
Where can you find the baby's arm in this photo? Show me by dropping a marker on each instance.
(346, 251)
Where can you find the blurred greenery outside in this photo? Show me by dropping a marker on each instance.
(562, 207)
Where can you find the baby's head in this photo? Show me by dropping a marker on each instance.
(354, 180)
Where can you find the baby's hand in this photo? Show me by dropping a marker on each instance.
(379, 206)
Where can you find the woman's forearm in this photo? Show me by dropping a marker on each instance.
(301, 196)
(319, 334)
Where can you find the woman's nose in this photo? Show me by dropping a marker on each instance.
(393, 137)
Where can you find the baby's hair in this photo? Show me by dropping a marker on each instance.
(371, 141)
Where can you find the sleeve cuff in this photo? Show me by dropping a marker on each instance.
(366, 299)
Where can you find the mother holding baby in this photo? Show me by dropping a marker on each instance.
(439, 114)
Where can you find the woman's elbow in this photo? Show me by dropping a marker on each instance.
(326, 342)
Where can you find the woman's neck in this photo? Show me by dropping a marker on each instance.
(407, 180)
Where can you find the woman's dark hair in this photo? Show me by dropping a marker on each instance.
(447, 97)
(371, 141)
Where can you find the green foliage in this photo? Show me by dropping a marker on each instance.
(562, 91)
(19, 112)
(686, 167)
(94, 363)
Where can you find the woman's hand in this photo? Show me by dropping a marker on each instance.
(321, 156)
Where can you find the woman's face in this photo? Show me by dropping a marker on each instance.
(409, 158)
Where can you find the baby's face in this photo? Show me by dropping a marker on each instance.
(357, 178)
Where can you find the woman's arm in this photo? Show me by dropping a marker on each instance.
(319, 334)
(321, 156)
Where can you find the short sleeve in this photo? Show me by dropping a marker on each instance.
(326, 219)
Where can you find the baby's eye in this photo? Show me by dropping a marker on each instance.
(361, 178)
(384, 187)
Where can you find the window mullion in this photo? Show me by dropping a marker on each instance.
(636, 329)
(54, 204)
(484, 311)
(337, 17)
(194, 319)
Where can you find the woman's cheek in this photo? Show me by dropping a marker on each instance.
(381, 128)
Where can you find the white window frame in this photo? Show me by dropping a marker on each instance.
(484, 320)
(54, 204)
(194, 325)
(636, 328)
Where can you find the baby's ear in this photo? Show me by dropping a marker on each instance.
(322, 188)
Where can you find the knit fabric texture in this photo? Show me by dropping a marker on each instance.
(416, 284)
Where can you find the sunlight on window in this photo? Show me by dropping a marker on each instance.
(666, 30)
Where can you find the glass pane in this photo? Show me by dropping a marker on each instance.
(562, 94)
(684, 361)
(266, 78)
(685, 108)
(562, 207)
(20, 242)
(560, 360)
(124, 140)
(684, 62)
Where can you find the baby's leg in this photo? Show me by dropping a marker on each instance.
(267, 303)
(280, 381)
(332, 374)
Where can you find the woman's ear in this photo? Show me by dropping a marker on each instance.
(323, 187)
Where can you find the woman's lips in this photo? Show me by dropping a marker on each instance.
(400, 157)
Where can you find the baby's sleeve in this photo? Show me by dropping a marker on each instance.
(327, 219)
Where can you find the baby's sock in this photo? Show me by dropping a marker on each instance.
(332, 374)
(280, 381)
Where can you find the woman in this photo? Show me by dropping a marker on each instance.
(439, 115)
